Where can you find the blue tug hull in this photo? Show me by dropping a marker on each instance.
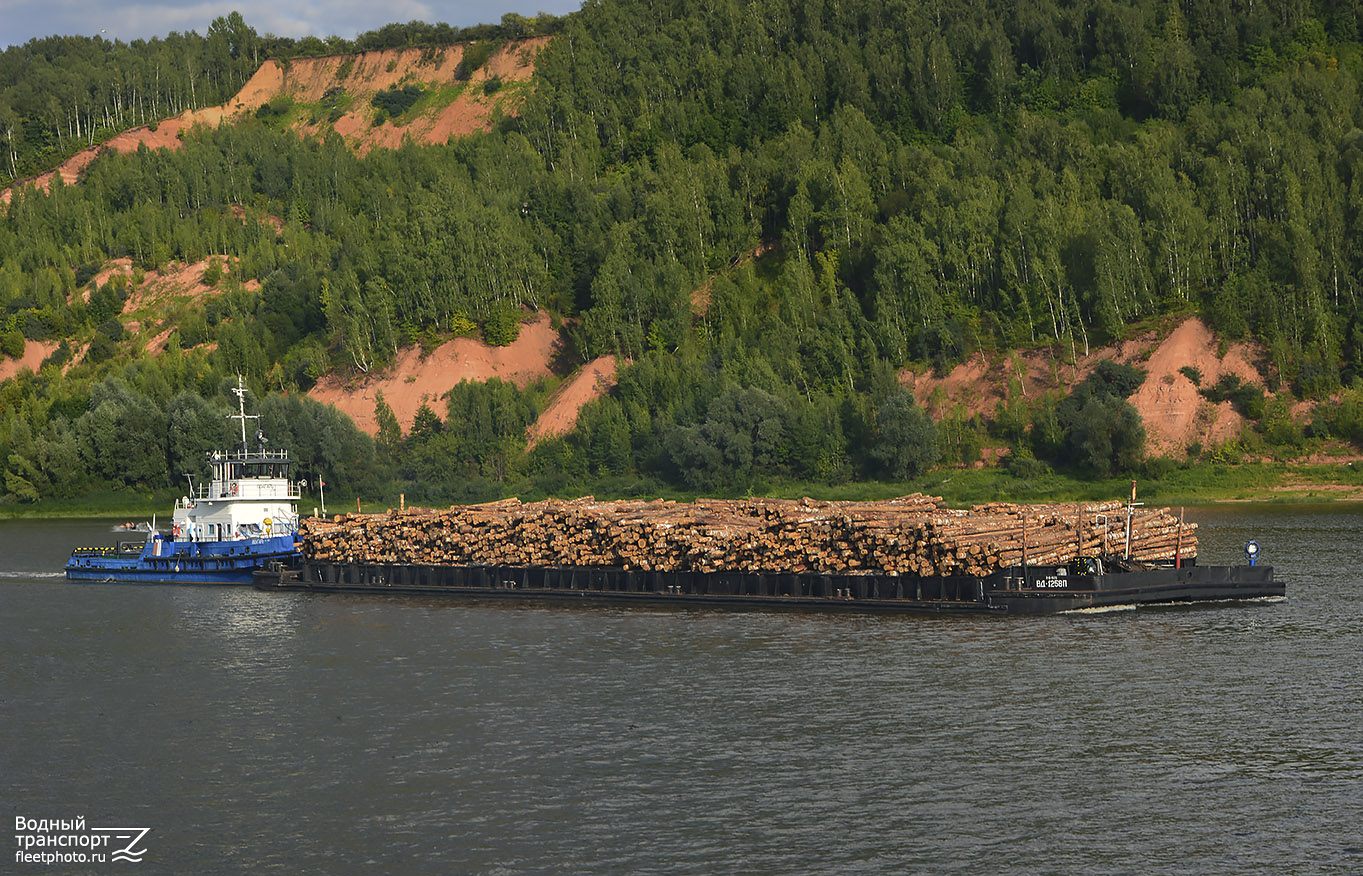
(162, 560)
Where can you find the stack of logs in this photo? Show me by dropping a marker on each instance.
(913, 535)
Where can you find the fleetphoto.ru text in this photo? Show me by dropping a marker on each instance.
(70, 841)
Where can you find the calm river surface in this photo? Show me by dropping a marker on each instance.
(298, 733)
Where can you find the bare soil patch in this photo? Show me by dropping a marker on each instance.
(151, 300)
(982, 382)
(1175, 413)
(412, 379)
(34, 354)
(591, 381)
(183, 279)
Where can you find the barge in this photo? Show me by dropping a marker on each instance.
(1086, 583)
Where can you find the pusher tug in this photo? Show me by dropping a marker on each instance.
(245, 519)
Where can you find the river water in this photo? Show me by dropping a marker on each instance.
(299, 733)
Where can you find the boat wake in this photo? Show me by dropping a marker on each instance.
(29, 576)
(1236, 601)
(1104, 609)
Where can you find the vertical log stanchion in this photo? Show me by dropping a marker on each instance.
(1078, 531)
(1178, 549)
(1131, 506)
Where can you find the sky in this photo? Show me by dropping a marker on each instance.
(22, 20)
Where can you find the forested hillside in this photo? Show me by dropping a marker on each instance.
(930, 179)
(60, 94)
(63, 93)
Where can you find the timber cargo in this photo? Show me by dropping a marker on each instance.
(908, 554)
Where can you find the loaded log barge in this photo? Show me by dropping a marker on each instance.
(907, 555)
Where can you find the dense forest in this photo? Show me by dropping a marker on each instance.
(931, 179)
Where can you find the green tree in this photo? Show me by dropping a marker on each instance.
(12, 344)
(123, 436)
(743, 435)
(389, 438)
(195, 429)
(1095, 428)
(905, 438)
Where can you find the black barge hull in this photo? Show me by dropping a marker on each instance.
(1017, 590)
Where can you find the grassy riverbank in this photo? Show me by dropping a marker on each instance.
(132, 505)
(1202, 484)
(141, 505)
(1196, 485)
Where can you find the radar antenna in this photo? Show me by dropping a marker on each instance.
(240, 392)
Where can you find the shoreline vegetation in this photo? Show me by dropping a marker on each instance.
(1195, 485)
